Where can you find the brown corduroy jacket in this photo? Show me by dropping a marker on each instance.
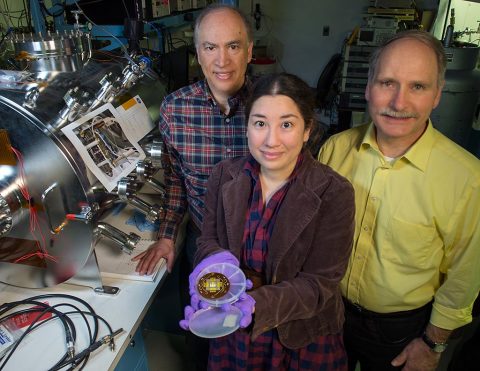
(308, 250)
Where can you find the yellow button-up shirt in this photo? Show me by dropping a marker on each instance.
(417, 234)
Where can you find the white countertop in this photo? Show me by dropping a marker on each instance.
(43, 348)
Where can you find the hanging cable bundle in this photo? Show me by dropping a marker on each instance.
(43, 313)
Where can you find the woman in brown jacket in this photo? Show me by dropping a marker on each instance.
(287, 221)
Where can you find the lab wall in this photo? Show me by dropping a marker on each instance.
(294, 31)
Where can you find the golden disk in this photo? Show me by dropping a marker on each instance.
(213, 285)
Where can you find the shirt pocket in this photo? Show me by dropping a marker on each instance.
(411, 245)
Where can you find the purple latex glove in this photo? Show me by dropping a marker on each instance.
(219, 257)
(246, 304)
(195, 304)
(188, 312)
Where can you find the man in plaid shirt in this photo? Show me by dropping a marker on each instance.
(202, 124)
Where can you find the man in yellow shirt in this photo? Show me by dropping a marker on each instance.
(413, 274)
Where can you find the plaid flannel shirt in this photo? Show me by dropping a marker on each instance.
(196, 135)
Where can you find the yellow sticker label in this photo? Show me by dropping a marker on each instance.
(129, 104)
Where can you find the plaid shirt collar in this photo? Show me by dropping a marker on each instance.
(233, 101)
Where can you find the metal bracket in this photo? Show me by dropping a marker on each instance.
(107, 290)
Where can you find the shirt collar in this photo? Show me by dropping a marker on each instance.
(417, 155)
(235, 99)
(252, 167)
(369, 139)
(420, 152)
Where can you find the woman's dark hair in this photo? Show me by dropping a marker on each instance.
(289, 85)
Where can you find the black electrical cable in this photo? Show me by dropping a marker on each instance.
(126, 9)
(29, 328)
(127, 55)
(69, 358)
(67, 323)
(84, 303)
(70, 334)
(5, 35)
(22, 15)
(85, 353)
(26, 6)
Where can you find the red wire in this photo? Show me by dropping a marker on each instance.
(34, 220)
(39, 254)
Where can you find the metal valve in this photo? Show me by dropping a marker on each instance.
(126, 190)
(154, 150)
(127, 242)
(77, 102)
(76, 15)
(145, 173)
(109, 88)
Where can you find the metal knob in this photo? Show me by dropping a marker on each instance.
(154, 150)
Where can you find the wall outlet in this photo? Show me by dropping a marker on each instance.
(326, 30)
